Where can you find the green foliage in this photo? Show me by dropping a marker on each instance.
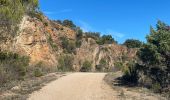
(132, 43)
(105, 39)
(131, 73)
(38, 70)
(156, 52)
(155, 55)
(38, 15)
(58, 21)
(156, 87)
(118, 65)
(102, 65)
(78, 43)
(68, 45)
(65, 63)
(12, 11)
(154, 59)
(79, 33)
(93, 35)
(51, 42)
(86, 67)
(69, 23)
(12, 66)
(79, 36)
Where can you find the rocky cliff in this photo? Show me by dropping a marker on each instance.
(40, 40)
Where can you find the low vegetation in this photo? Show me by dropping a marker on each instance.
(153, 68)
(103, 65)
(69, 46)
(101, 40)
(67, 23)
(12, 67)
(86, 67)
(65, 63)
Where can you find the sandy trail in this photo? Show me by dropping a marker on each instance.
(77, 86)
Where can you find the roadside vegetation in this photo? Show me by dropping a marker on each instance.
(152, 68)
(86, 67)
(12, 67)
(66, 63)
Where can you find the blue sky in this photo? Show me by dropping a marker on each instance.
(123, 19)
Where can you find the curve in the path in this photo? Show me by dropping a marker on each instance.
(77, 86)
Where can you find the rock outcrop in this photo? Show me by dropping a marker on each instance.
(40, 40)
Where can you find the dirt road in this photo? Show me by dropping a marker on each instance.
(91, 86)
(77, 86)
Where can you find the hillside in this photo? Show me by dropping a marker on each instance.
(40, 39)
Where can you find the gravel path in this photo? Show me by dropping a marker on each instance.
(77, 86)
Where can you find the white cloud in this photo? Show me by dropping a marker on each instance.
(58, 12)
(85, 26)
(115, 34)
(48, 12)
(65, 11)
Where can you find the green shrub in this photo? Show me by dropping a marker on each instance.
(12, 66)
(12, 12)
(65, 63)
(132, 43)
(94, 35)
(87, 66)
(102, 65)
(118, 65)
(155, 55)
(79, 33)
(105, 39)
(69, 46)
(38, 72)
(38, 69)
(156, 87)
(52, 43)
(78, 43)
(45, 23)
(131, 73)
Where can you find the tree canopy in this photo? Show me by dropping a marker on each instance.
(132, 43)
(12, 11)
(154, 59)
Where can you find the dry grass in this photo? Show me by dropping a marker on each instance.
(128, 92)
(22, 89)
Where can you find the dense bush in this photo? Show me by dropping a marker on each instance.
(94, 35)
(132, 43)
(79, 33)
(67, 23)
(155, 59)
(105, 39)
(12, 66)
(11, 13)
(86, 67)
(65, 63)
(79, 36)
(69, 46)
(155, 55)
(131, 73)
